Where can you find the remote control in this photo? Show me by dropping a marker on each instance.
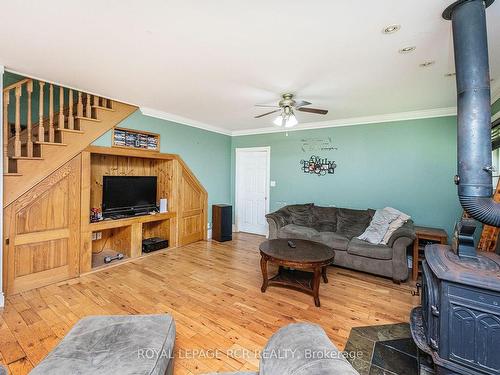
(291, 244)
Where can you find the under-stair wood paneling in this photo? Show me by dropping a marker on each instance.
(192, 206)
(42, 231)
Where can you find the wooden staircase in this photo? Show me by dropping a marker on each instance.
(68, 122)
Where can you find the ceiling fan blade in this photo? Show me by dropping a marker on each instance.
(313, 110)
(301, 103)
(268, 113)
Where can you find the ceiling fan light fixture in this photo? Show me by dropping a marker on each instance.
(291, 121)
(278, 121)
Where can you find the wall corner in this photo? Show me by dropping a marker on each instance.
(2, 69)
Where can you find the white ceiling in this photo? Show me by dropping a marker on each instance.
(211, 61)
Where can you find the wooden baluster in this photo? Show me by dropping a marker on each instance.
(61, 108)
(17, 136)
(41, 127)
(96, 100)
(29, 142)
(71, 120)
(105, 102)
(6, 132)
(79, 105)
(51, 113)
(88, 109)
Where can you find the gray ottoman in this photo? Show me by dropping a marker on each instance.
(301, 349)
(105, 345)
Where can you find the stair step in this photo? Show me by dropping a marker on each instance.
(70, 130)
(26, 157)
(87, 118)
(51, 143)
(104, 108)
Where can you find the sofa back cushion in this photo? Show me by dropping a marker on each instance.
(352, 223)
(324, 219)
(301, 214)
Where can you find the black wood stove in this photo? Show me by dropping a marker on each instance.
(458, 323)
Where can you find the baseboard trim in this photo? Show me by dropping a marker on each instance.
(209, 234)
(235, 228)
(2, 300)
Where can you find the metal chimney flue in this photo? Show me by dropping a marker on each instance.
(474, 177)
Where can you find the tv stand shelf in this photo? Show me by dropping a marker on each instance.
(108, 224)
(126, 235)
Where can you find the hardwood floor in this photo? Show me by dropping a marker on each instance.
(213, 291)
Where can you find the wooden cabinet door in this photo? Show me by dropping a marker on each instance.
(42, 230)
(191, 215)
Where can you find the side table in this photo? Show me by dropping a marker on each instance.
(427, 234)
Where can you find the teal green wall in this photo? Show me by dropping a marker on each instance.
(208, 154)
(408, 165)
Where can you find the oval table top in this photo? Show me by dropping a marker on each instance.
(307, 252)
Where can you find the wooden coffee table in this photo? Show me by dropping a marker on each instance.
(307, 255)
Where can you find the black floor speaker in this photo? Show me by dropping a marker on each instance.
(222, 222)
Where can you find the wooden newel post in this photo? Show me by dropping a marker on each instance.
(6, 132)
(41, 127)
(17, 136)
(29, 129)
(51, 113)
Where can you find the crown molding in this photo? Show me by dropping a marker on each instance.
(390, 117)
(183, 120)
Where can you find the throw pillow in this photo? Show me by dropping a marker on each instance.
(396, 224)
(378, 226)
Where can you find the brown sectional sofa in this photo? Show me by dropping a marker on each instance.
(338, 228)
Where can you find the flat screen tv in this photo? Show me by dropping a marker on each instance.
(128, 194)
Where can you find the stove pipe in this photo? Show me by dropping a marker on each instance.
(474, 177)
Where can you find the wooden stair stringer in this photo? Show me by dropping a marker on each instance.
(34, 171)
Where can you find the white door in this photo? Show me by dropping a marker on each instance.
(252, 189)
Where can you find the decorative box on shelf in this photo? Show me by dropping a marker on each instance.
(136, 139)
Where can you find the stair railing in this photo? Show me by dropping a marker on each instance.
(72, 104)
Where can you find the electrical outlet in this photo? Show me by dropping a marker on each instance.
(93, 236)
(96, 236)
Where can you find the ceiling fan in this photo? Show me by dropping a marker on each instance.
(287, 107)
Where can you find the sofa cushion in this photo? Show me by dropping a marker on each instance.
(301, 214)
(297, 231)
(114, 344)
(331, 239)
(368, 250)
(324, 219)
(352, 223)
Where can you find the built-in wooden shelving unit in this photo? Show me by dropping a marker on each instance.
(48, 234)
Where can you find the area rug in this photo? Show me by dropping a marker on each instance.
(385, 350)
